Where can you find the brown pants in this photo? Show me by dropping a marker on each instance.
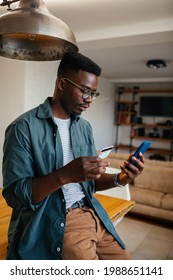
(87, 239)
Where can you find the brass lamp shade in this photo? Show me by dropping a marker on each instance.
(31, 32)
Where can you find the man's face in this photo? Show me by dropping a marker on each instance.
(72, 99)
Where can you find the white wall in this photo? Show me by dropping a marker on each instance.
(12, 78)
(101, 115)
(40, 81)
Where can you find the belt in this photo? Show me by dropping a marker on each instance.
(80, 203)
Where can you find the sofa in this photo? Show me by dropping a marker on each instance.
(152, 191)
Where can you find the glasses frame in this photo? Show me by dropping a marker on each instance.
(86, 92)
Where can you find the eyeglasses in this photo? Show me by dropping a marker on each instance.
(86, 92)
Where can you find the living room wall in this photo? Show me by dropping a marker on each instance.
(12, 77)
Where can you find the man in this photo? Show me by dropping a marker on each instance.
(51, 170)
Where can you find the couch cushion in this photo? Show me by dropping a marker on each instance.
(153, 212)
(156, 178)
(147, 197)
(124, 156)
(158, 163)
(116, 159)
(157, 175)
(167, 202)
(121, 156)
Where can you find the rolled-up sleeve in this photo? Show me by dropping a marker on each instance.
(18, 166)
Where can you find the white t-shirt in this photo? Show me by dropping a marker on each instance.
(73, 191)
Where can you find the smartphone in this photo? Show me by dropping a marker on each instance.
(105, 152)
(142, 148)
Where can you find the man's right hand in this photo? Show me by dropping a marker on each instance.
(82, 169)
(78, 170)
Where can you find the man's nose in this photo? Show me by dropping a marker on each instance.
(89, 99)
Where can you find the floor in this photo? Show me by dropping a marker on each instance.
(146, 240)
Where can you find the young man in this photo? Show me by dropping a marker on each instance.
(51, 170)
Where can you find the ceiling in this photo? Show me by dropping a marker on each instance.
(121, 35)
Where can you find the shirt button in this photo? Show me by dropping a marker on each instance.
(58, 249)
(62, 224)
(63, 200)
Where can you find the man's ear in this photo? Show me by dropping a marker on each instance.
(60, 84)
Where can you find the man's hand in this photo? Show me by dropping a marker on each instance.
(129, 171)
(78, 170)
(83, 169)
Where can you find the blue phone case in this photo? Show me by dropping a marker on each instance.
(142, 148)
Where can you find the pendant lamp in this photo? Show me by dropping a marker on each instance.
(31, 32)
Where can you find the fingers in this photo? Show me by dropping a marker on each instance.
(95, 162)
(139, 163)
(141, 157)
(85, 169)
(133, 170)
(94, 168)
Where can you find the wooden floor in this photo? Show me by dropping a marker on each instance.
(146, 239)
(115, 207)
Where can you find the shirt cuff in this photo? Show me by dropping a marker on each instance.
(116, 181)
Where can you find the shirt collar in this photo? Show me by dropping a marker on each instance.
(45, 111)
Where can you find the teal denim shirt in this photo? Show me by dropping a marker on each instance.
(32, 149)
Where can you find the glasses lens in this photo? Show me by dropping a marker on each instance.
(89, 92)
(86, 93)
(94, 95)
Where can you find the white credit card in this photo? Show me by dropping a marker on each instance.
(105, 152)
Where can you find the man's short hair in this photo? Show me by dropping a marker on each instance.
(74, 62)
